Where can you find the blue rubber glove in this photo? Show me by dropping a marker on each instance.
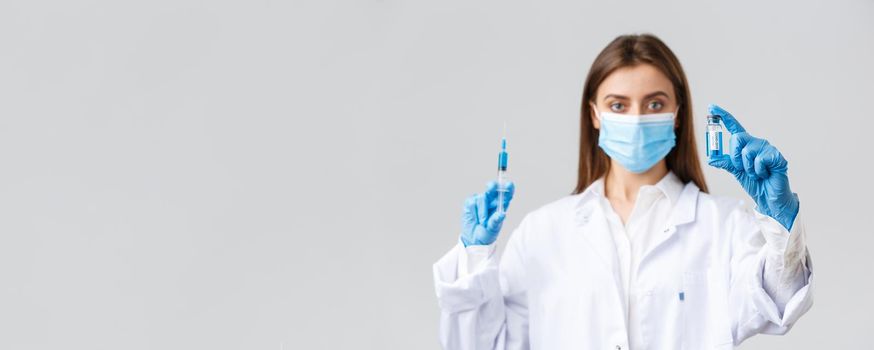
(760, 169)
(480, 222)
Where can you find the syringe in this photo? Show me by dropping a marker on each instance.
(502, 173)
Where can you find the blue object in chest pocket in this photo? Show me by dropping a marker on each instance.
(682, 296)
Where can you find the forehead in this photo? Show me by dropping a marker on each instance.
(635, 82)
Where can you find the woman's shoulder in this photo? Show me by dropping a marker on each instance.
(552, 218)
(554, 211)
(722, 205)
(558, 206)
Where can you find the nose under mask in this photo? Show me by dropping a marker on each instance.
(636, 141)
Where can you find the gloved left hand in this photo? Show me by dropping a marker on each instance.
(760, 169)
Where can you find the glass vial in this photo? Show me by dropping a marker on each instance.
(714, 136)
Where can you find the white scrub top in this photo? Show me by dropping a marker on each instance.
(687, 271)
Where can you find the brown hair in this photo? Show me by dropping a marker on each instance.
(631, 50)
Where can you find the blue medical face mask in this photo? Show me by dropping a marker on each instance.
(636, 141)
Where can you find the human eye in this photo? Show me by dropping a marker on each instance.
(655, 105)
(617, 107)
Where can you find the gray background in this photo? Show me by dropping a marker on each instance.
(234, 175)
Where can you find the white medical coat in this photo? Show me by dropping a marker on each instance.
(713, 277)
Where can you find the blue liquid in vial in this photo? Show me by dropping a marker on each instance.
(713, 137)
(714, 149)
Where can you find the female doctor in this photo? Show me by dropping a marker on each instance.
(640, 256)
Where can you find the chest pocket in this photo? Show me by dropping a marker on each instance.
(705, 321)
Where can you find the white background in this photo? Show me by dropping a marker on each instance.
(233, 175)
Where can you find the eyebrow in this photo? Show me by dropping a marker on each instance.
(620, 97)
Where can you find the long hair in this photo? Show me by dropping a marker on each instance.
(631, 50)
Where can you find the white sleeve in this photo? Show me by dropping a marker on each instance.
(772, 275)
(785, 269)
(482, 307)
(474, 259)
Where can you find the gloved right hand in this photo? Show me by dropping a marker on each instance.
(760, 169)
(480, 222)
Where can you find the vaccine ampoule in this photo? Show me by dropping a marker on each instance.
(714, 136)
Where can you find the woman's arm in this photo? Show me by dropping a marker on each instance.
(771, 275)
(786, 267)
(483, 306)
(771, 284)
